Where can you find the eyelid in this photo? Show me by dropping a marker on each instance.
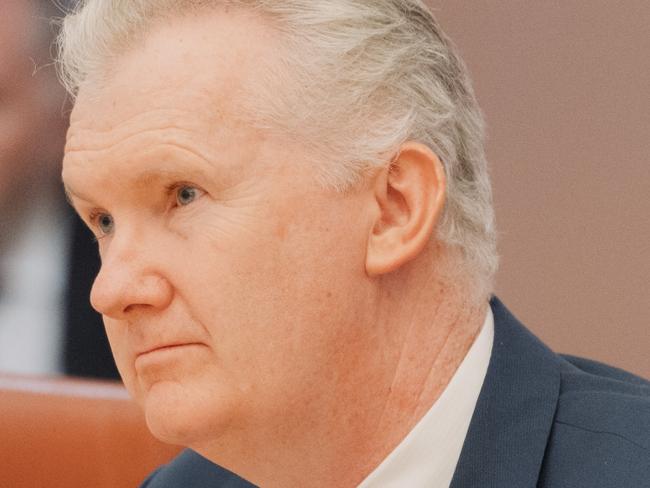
(96, 213)
(180, 184)
(94, 225)
(174, 187)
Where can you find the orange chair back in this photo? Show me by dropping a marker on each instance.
(73, 433)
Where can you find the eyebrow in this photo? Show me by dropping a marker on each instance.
(150, 176)
(147, 178)
(165, 166)
(70, 194)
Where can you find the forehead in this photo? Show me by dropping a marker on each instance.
(200, 62)
(186, 81)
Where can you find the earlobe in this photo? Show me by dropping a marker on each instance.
(410, 194)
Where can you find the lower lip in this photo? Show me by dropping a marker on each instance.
(166, 353)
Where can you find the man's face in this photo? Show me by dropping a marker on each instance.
(229, 279)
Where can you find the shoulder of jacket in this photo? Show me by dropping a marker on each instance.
(191, 469)
(602, 399)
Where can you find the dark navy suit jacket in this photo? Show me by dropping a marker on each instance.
(541, 420)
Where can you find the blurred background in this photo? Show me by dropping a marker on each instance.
(47, 258)
(565, 87)
(565, 90)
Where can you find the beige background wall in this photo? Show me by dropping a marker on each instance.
(565, 86)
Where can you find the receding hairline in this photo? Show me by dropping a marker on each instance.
(154, 38)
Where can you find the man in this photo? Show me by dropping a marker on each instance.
(47, 259)
(294, 217)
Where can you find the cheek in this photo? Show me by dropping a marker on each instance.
(278, 304)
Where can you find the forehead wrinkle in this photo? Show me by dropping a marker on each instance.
(215, 179)
(153, 163)
(104, 130)
(154, 145)
(191, 101)
(160, 135)
(179, 127)
(79, 117)
(89, 148)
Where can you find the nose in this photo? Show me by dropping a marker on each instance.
(128, 281)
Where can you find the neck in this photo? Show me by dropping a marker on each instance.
(438, 327)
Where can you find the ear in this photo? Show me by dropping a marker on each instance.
(410, 194)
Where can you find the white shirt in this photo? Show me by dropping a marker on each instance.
(31, 303)
(428, 455)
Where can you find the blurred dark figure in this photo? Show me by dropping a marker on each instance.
(47, 260)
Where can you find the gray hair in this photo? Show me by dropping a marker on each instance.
(366, 76)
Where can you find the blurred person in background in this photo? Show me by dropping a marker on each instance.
(47, 260)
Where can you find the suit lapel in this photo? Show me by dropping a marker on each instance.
(514, 413)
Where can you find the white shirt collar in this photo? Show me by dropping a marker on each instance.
(429, 453)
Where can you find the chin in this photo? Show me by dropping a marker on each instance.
(177, 414)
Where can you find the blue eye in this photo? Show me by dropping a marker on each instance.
(105, 223)
(186, 195)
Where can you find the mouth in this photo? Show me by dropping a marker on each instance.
(167, 348)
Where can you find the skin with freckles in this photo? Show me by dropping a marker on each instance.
(284, 331)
